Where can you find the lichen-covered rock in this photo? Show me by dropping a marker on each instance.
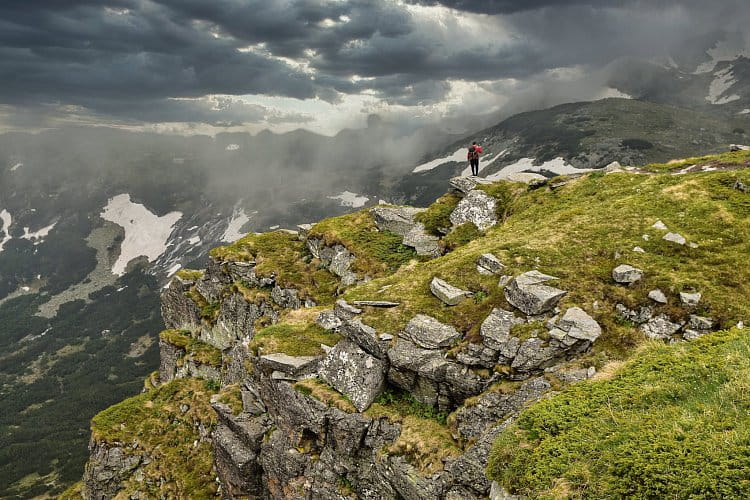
(397, 220)
(328, 320)
(657, 296)
(529, 294)
(642, 315)
(295, 366)
(473, 420)
(660, 327)
(448, 293)
(426, 245)
(690, 299)
(345, 311)
(429, 333)
(535, 354)
(337, 259)
(626, 274)
(467, 184)
(675, 238)
(108, 467)
(495, 331)
(237, 318)
(177, 309)
(579, 325)
(365, 337)
(353, 372)
(489, 264)
(478, 208)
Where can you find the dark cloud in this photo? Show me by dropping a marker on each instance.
(132, 59)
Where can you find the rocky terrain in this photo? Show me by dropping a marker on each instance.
(412, 353)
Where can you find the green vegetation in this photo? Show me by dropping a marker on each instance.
(321, 391)
(504, 193)
(377, 252)
(189, 274)
(735, 158)
(231, 396)
(159, 422)
(436, 218)
(460, 236)
(672, 423)
(296, 335)
(282, 254)
(197, 351)
(574, 233)
(425, 439)
(525, 331)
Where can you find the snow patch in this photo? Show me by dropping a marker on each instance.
(173, 269)
(146, 234)
(612, 92)
(232, 233)
(273, 228)
(557, 166)
(195, 240)
(724, 50)
(744, 112)
(5, 231)
(16, 167)
(232, 147)
(458, 156)
(348, 199)
(37, 235)
(718, 87)
(483, 163)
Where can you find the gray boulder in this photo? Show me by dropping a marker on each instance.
(489, 264)
(690, 299)
(364, 336)
(353, 372)
(291, 365)
(467, 184)
(640, 316)
(328, 320)
(579, 325)
(478, 208)
(700, 323)
(448, 293)
(345, 311)
(529, 294)
(429, 333)
(398, 220)
(675, 238)
(534, 355)
(660, 226)
(426, 245)
(657, 296)
(626, 274)
(375, 303)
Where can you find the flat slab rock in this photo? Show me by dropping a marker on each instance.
(429, 333)
(448, 293)
(478, 208)
(626, 274)
(467, 184)
(489, 264)
(375, 303)
(353, 372)
(291, 365)
(529, 293)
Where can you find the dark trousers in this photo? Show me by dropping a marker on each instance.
(474, 166)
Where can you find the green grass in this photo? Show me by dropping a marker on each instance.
(377, 252)
(321, 391)
(460, 236)
(156, 421)
(198, 351)
(231, 396)
(738, 158)
(282, 254)
(296, 334)
(574, 233)
(672, 423)
(436, 218)
(189, 274)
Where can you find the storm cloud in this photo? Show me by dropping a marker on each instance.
(152, 61)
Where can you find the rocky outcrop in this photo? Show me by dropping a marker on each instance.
(465, 185)
(401, 221)
(177, 309)
(108, 467)
(355, 373)
(478, 208)
(337, 259)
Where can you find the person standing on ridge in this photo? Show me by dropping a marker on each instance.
(474, 151)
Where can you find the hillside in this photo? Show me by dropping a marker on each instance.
(388, 353)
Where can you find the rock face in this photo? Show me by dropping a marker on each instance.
(528, 293)
(478, 208)
(107, 468)
(177, 310)
(448, 293)
(354, 372)
(400, 220)
(429, 333)
(337, 259)
(626, 274)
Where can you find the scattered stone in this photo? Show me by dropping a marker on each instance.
(344, 311)
(528, 293)
(700, 323)
(660, 225)
(490, 263)
(660, 327)
(504, 280)
(428, 333)
(692, 334)
(641, 316)
(364, 336)
(375, 303)
(448, 293)
(626, 274)
(477, 207)
(646, 237)
(353, 372)
(675, 238)
(741, 186)
(690, 299)
(400, 220)
(386, 337)
(638, 250)
(534, 354)
(467, 184)
(328, 320)
(579, 325)
(657, 296)
(693, 245)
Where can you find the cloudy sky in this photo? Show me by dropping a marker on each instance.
(205, 66)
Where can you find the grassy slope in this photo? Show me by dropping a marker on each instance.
(673, 423)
